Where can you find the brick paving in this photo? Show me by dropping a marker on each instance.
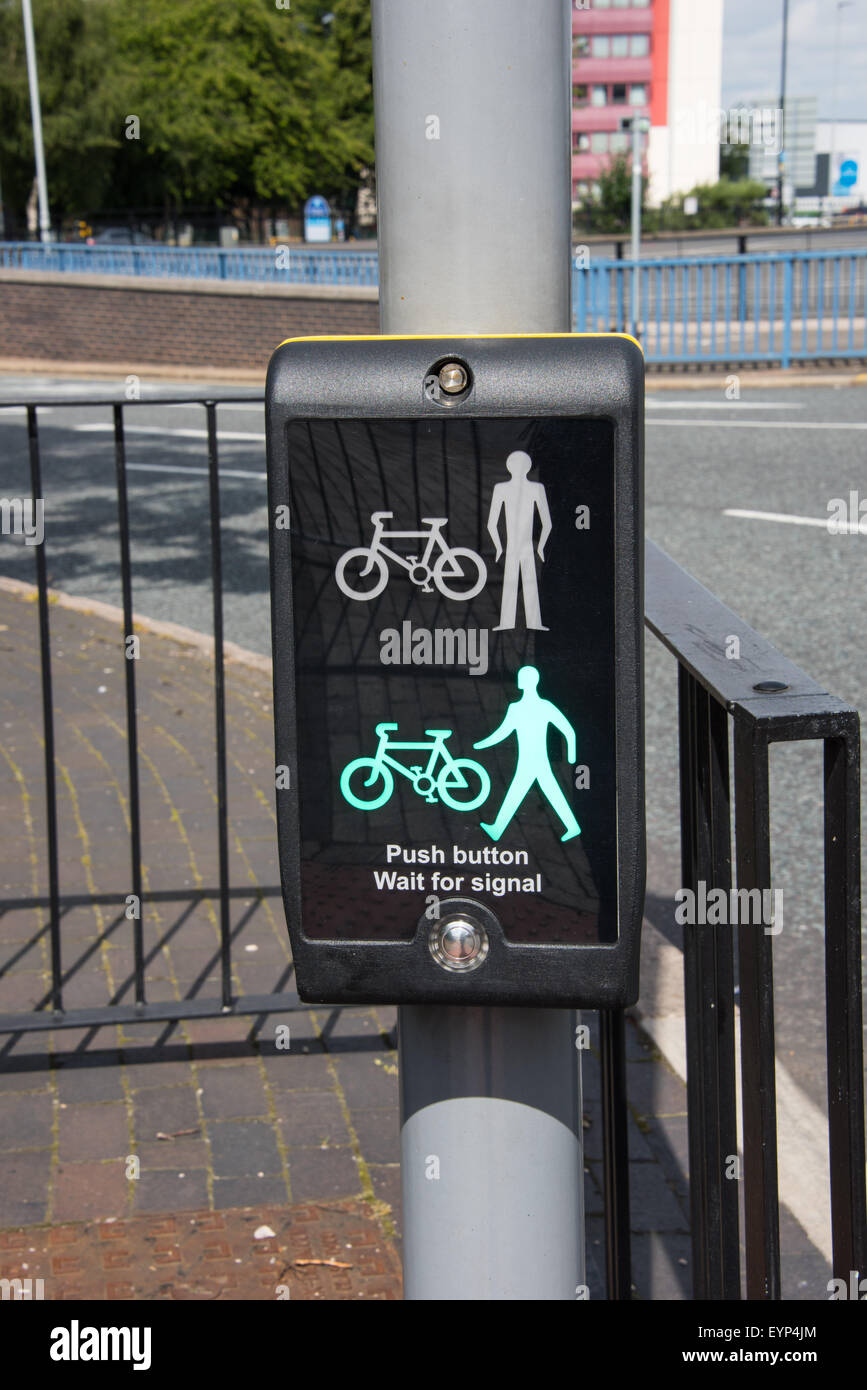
(139, 1161)
(129, 1123)
(307, 1251)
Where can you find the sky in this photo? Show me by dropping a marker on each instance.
(752, 52)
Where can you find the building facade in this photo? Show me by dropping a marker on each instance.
(842, 149)
(794, 151)
(656, 58)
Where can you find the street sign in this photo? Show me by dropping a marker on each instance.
(845, 175)
(317, 219)
(457, 603)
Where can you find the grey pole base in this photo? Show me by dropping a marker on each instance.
(491, 1159)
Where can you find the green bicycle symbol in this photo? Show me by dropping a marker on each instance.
(454, 782)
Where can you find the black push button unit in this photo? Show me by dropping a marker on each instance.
(457, 602)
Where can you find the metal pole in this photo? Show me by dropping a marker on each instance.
(841, 5)
(636, 225)
(473, 117)
(781, 157)
(36, 119)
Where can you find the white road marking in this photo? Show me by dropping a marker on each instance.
(106, 428)
(22, 409)
(851, 528)
(763, 424)
(193, 472)
(660, 403)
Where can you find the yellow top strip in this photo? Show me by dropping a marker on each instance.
(410, 337)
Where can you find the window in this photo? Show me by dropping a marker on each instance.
(601, 47)
(641, 4)
(599, 142)
(580, 46)
(580, 141)
(579, 94)
(618, 94)
(621, 4)
(600, 96)
(638, 94)
(602, 4)
(620, 141)
(639, 46)
(620, 46)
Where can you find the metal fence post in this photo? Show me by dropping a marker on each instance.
(755, 960)
(44, 210)
(636, 225)
(788, 277)
(476, 236)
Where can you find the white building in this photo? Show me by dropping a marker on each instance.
(844, 147)
(798, 146)
(661, 59)
(685, 148)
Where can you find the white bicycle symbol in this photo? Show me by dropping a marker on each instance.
(452, 566)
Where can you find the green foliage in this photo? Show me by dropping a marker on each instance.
(81, 102)
(734, 162)
(350, 54)
(610, 208)
(729, 203)
(239, 102)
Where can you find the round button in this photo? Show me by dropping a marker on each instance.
(458, 944)
(453, 378)
(460, 941)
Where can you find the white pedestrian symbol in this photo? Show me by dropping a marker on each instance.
(520, 500)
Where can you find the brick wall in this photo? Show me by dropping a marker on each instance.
(116, 319)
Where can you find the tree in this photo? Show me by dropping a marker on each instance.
(81, 101)
(350, 54)
(609, 207)
(728, 203)
(734, 162)
(233, 98)
(172, 102)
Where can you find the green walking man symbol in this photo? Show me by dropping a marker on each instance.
(528, 719)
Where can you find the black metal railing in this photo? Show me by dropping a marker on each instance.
(768, 699)
(141, 1010)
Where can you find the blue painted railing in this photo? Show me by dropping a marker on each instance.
(779, 308)
(765, 308)
(283, 265)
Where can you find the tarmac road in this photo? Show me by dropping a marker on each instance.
(737, 492)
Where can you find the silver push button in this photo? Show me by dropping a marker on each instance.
(458, 944)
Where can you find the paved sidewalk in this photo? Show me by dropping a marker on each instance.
(307, 1251)
(183, 1138)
